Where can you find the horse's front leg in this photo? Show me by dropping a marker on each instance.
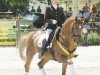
(64, 66)
(41, 65)
(71, 67)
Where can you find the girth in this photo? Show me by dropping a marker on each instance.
(64, 49)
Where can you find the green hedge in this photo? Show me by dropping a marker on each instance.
(93, 38)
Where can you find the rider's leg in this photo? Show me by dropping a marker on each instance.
(45, 41)
(48, 31)
(54, 36)
(42, 49)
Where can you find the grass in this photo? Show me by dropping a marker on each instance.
(7, 33)
(6, 23)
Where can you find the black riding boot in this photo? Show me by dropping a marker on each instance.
(42, 49)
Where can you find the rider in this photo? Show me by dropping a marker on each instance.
(54, 16)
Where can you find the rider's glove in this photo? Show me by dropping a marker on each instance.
(53, 21)
(62, 24)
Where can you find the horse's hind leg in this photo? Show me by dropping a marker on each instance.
(30, 53)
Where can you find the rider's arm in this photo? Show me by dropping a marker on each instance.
(62, 16)
(48, 17)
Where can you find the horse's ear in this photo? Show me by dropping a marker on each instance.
(76, 18)
(83, 20)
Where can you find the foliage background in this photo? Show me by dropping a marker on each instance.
(98, 5)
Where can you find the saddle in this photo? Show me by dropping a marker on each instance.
(53, 36)
(48, 44)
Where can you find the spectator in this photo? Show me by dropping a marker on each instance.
(94, 9)
(39, 9)
(79, 13)
(69, 12)
(85, 8)
(98, 14)
(27, 12)
(32, 10)
(86, 16)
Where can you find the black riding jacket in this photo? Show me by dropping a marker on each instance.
(52, 13)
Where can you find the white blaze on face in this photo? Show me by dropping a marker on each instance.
(80, 27)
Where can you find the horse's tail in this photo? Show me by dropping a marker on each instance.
(22, 45)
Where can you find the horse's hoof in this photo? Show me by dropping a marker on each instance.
(69, 61)
(41, 72)
(76, 55)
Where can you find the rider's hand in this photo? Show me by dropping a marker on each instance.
(62, 24)
(53, 21)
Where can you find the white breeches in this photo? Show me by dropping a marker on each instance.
(48, 31)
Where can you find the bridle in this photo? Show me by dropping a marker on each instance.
(73, 31)
(74, 28)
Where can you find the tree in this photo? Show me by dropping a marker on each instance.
(49, 1)
(4, 5)
(19, 6)
(98, 5)
(41, 1)
(16, 6)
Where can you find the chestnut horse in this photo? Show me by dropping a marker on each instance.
(63, 47)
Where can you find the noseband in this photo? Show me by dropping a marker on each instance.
(73, 31)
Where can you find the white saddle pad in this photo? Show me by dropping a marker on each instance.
(41, 39)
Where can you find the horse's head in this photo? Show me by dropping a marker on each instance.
(71, 29)
(77, 27)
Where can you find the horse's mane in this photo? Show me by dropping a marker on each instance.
(67, 23)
